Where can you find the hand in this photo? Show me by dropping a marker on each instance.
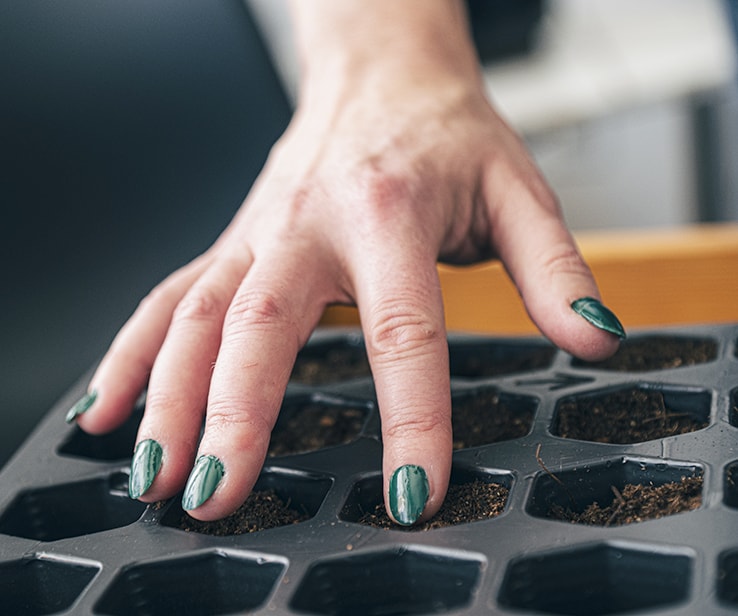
(389, 165)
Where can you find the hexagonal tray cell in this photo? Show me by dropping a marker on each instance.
(485, 416)
(326, 362)
(608, 578)
(116, 445)
(632, 414)
(72, 509)
(730, 485)
(482, 359)
(400, 580)
(42, 584)
(204, 584)
(280, 497)
(310, 423)
(473, 495)
(659, 352)
(616, 492)
(727, 583)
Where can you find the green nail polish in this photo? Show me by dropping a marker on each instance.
(144, 467)
(408, 493)
(203, 480)
(598, 315)
(82, 406)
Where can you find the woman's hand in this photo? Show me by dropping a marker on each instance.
(394, 160)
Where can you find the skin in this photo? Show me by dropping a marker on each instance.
(394, 159)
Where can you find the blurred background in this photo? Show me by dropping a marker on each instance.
(131, 132)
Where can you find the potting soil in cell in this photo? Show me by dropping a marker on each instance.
(576, 488)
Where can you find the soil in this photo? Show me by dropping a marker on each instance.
(731, 485)
(622, 417)
(637, 503)
(336, 364)
(467, 502)
(314, 427)
(656, 353)
(487, 418)
(262, 510)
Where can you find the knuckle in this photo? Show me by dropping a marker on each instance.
(157, 400)
(230, 419)
(400, 331)
(199, 304)
(411, 425)
(257, 307)
(380, 193)
(563, 259)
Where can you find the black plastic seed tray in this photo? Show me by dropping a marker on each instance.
(71, 542)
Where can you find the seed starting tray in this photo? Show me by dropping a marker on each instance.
(72, 542)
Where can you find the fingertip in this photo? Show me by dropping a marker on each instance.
(581, 336)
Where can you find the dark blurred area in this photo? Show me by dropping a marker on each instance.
(501, 28)
(130, 132)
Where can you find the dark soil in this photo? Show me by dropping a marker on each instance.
(622, 417)
(637, 503)
(656, 353)
(487, 418)
(262, 510)
(467, 502)
(731, 485)
(333, 365)
(315, 426)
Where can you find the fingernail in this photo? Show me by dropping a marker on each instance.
(204, 478)
(408, 493)
(144, 467)
(598, 315)
(82, 406)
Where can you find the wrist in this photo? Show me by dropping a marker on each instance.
(352, 43)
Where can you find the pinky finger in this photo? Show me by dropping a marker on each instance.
(124, 370)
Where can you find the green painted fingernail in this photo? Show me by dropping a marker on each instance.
(82, 406)
(204, 478)
(144, 467)
(408, 493)
(598, 315)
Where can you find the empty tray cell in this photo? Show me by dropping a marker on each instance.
(616, 492)
(71, 510)
(631, 414)
(309, 423)
(597, 580)
(727, 585)
(473, 495)
(730, 487)
(203, 584)
(279, 498)
(42, 585)
(645, 353)
(331, 361)
(400, 580)
(116, 445)
(486, 359)
(487, 416)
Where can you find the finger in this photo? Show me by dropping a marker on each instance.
(266, 324)
(543, 260)
(402, 317)
(124, 370)
(180, 379)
